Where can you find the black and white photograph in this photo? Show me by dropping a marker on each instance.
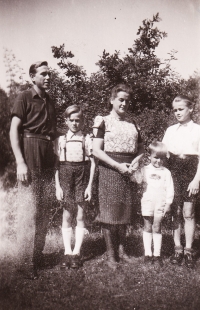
(100, 154)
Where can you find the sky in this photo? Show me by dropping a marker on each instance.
(87, 27)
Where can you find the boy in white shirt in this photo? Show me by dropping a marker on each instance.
(156, 200)
(183, 145)
(74, 178)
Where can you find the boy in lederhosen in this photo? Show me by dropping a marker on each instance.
(74, 178)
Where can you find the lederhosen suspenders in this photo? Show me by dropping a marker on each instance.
(83, 146)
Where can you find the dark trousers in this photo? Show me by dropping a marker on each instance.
(35, 199)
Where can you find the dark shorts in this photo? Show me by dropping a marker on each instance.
(183, 172)
(74, 178)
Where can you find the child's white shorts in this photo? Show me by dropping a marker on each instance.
(152, 205)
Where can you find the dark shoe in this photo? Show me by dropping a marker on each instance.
(124, 256)
(148, 259)
(158, 262)
(189, 260)
(76, 261)
(28, 271)
(66, 262)
(176, 258)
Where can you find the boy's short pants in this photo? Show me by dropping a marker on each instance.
(153, 203)
(183, 172)
(74, 178)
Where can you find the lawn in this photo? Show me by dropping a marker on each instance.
(94, 286)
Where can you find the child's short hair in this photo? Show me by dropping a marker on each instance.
(120, 87)
(184, 98)
(73, 109)
(33, 67)
(158, 148)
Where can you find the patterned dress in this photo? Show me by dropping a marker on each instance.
(116, 191)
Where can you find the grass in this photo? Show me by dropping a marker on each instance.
(95, 286)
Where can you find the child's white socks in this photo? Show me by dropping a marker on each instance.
(147, 241)
(157, 242)
(67, 235)
(79, 235)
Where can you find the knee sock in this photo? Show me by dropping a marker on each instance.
(157, 242)
(67, 234)
(79, 235)
(147, 241)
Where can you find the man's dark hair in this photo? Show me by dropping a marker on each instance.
(33, 67)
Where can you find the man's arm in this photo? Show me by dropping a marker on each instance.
(22, 169)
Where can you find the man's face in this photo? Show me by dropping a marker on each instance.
(42, 77)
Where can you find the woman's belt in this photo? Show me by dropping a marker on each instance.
(118, 157)
(74, 163)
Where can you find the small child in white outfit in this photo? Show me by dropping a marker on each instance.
(156, 200)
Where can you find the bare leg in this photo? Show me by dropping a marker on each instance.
(188, 214)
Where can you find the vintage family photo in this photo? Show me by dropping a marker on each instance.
(100, 155)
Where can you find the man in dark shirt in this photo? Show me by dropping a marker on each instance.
(33, 127)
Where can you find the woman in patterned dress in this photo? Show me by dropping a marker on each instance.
(118, 146)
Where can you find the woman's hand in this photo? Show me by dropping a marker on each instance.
(193, 187)
(134, 166)
(123, 168)
(88, 193)
(59, 193)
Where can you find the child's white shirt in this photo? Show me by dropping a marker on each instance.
(183, 139)
(159, 182)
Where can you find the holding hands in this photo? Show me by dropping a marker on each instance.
(128, 169)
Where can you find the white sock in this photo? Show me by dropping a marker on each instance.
(157, 242)
(147, 241)
(79, 235)
(67, 234)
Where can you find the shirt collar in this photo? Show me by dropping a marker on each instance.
(71, 134)
(189, 124)
(159, 168)
(34, 93)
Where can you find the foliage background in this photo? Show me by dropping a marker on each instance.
(153, 81)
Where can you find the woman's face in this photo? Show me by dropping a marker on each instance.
(120, 103)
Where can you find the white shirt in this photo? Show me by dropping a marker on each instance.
(159, 181)
(183, 139)
(70, 147)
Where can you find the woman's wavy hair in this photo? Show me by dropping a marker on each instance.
(116, 89)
